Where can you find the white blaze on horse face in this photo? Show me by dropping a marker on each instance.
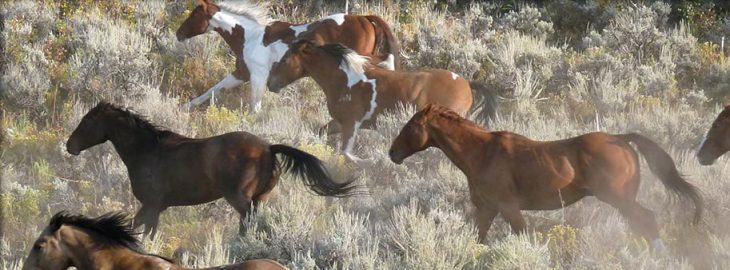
(339, 18)
(298, 29)
(454, 76)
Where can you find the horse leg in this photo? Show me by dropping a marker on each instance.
(349, 135)
(139, 217)
(484, 217)
(640, 219)
(511, 213)
(229, 81)
(152, 219)
(330, 128)
(242, 203)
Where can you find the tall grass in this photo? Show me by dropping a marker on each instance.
(554, 82)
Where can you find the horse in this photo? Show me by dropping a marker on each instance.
(167, 169)
(717, 141)
(508, 172)
(258, 42)
(357, 91)
(105, 242)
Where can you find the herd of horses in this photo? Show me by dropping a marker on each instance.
(354, 59)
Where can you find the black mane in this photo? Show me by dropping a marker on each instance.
(114, 226)
(136, 121)
(337, 51)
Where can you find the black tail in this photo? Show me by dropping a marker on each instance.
(662, 165)
(485, 102)
(384, 37)
(310, 169)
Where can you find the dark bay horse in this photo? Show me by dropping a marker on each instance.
(258, 42)
(508, 172)
(717, 141)
(167, 169)
(357, 91)
(105, 242)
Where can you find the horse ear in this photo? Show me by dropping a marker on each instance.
(205, 4)
(302, 45)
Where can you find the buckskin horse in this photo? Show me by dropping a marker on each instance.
(258, 42)
(105, 242)
(717, 141)
(357, 91)
(167, 169)
(508, 172)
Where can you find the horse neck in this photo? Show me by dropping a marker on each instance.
(460, 142)
(130, 142)
(225, 22)
(332, 86)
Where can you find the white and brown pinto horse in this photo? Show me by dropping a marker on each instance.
(258, 42)
(357, 91)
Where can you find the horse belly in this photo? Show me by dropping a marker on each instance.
(553, 199)
(550, 186)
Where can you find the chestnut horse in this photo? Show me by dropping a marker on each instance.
(105, 242)
(357, 91)
(167, 169)
(717, 141)
(508, 172)
(258, 42)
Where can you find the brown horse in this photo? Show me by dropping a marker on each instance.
(105, 242)
(258, 42)
(717, 141)
(357, 91)
(167, 169)
(508, 172)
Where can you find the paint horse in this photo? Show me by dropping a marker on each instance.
(508, 172)
(167, 169)
(357, 91)
(105, 242)
(717, 141)
(258, 42)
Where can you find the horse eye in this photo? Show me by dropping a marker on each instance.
(37, 246)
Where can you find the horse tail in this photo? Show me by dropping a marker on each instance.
(662, 165)
(311, 170)
(382, 31)
(485, 105)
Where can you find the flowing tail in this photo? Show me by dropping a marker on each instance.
(485, 105)
(662, 165)
(382, 31)
(311, 170)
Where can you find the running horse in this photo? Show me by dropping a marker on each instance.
(105, 242)
(167, 169)
(258, 42)
(508, 172)
(357, 91)
(717, 141)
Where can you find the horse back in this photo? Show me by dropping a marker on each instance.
(423, 87)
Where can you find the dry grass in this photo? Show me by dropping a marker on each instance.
(62, 58)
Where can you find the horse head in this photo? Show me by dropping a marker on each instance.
(717, 140)
(198, 21)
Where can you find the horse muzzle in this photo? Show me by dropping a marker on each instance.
(395, 157)
(73, 150)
